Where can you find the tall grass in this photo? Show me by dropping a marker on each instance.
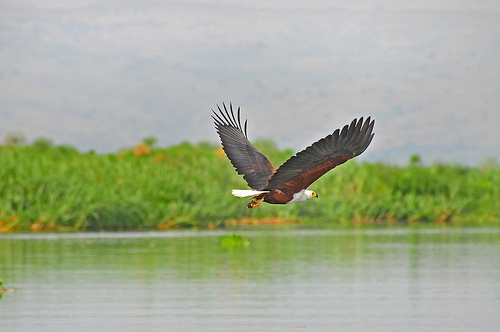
(58, 188)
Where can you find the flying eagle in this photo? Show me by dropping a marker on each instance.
(288, 183)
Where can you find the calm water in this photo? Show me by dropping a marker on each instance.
(350, 280)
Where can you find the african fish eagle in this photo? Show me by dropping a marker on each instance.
(288, 183)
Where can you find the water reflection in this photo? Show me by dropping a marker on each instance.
(389, 279)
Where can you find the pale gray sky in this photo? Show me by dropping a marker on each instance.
(103, 75)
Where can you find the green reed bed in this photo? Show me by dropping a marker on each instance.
(58, 188)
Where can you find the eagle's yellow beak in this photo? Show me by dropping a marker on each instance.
(315, 195)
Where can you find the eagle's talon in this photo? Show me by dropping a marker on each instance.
(255, 203)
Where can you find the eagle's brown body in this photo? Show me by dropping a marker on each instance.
(276, 196)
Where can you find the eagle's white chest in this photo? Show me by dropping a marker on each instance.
(301, 196)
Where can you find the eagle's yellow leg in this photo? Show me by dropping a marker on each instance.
(255, 202)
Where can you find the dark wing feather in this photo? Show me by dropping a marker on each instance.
(247, 160)
(307, 166)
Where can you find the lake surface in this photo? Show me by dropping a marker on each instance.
(402, 279)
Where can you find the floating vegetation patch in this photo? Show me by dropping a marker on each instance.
(234, 241)
(4, 290)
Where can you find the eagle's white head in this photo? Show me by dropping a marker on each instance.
(302, 196)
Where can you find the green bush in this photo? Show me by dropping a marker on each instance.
(59, 188)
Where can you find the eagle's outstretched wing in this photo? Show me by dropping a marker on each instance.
(247, 160)
(307, 166)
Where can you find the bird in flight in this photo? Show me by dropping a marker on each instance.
(288, 183)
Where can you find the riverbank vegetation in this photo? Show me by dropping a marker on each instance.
(49, 188)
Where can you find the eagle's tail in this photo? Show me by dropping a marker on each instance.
(247, 193)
